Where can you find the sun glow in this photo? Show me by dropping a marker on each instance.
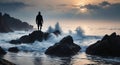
(83, 10)
(80, 5)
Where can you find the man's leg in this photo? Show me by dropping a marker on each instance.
(38, 26)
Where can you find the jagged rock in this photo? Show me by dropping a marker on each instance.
(66, 47)
(35, 35)
(13, 49)
(57, 32)
(4, 28)
(16, 24)
(9, 24)
(108, 46)
(2, 51)
(5, 62)
(15, 42)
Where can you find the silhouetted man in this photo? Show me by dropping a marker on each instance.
(39, 20)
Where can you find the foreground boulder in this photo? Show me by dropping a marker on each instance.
(5, 62)
(108, 46)
(13, 49)
(66, 47)
(2, 51)
(35, 35)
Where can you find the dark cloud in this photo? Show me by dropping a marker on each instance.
(90, 6)
(99, 6)
(11, 6)
(104, 10)
(105, 3)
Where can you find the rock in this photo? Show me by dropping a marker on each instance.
(26, 39)
(57, 32)
(65, 47)
(13, 49)
(2, 52)
(4, 28)
(9, 24)
(35, 35)
(5, 62)
(16, 24)
(108, 46)
(15, 42)
(67, 40)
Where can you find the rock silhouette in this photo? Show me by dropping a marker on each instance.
(13, 49)
(2, 52)
(5, 62)
(4, 28)
(66, 47)
(108, 46)
(8, 24)
(35, 35)
(16, 24)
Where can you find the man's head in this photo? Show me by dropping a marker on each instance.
(39, 12)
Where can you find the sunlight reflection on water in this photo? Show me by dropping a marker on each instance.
(28, 58)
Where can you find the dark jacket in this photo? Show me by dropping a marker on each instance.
(39, 19)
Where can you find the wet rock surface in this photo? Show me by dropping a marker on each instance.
(35, 35)
(2, 51)
(108, 46)
(13, 49)
(66, 47)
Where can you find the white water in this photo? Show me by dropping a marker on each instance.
(33, 54)
(78, 37)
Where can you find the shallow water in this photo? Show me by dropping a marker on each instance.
(33, 54)
(32, 58)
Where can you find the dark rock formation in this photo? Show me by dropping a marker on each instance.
(15, 41)
(4, 28)
(66, 47)
(5, 62)
(108, 46)
(13, 49)
(36, 35)
(2, 51)
(57, 32)
(16, 24)
(9, 24)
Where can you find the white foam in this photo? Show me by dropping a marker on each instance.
(79, 38)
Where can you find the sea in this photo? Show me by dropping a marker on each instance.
(34, 53)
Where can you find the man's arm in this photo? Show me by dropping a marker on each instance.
(36, 20)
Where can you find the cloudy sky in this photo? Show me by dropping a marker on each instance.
(26, 10)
